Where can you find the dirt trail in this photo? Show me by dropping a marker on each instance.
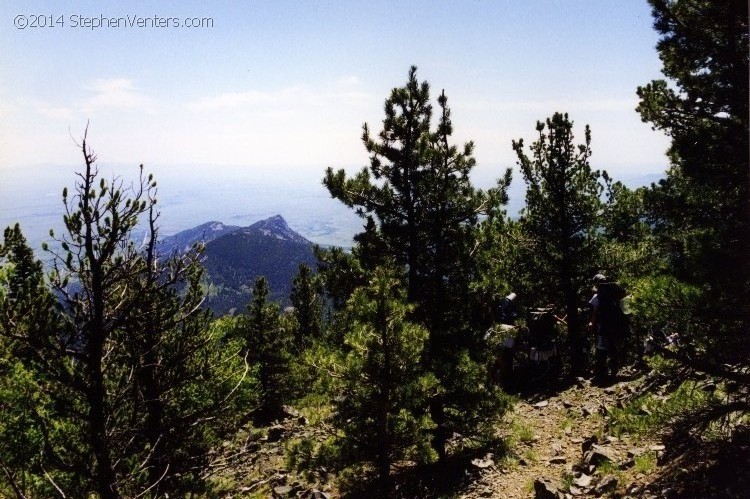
(558, 447)
(546, 439)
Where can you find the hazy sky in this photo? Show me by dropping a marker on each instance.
(289, 84)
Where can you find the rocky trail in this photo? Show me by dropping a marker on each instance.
(558, 446)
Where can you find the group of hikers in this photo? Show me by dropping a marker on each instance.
(608, 328)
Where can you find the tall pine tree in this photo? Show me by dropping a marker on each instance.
(561, 219)
(423, 213)
(701, 211)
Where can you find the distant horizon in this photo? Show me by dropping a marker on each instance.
(33, 198)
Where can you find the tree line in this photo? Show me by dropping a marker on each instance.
(116, 382)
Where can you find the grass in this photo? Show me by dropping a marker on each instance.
(645, 463)
(600, 422)
(649, 413)
(530, 456)
(521, 433)
(610, 468)
(567, 480)
(508, 461)
(528, 487)
(661, 365)
(566, 423)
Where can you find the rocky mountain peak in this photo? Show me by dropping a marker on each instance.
(277, 227)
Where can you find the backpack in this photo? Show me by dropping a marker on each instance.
(541, 324)
(612, 320)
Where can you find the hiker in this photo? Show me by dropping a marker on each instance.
(609, 326)
(501, 369)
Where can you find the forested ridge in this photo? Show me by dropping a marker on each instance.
(386, 377)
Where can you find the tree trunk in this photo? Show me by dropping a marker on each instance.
(96, 392)
(105, 475)
(440, 434)
(153, 423)
(384, 464)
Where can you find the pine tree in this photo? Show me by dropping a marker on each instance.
(127, 359)
(561, 219)
(422, 214)
(36, 431)
(308, 306)
(268, 344)
(400, 158)
(386, 389)
(701, 211)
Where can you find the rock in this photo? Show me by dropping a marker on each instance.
(575, 491)
(282, 490)
(610, 390)
(275, 432)
(290, 412)
(483, 463)
(567, 404)
(607, 484)
(636, 451)
(557, 460)
(314, 494)
(556, 448)
(588, 442)
(628, 463)
(709, 387)
(568, 431)
(583, 481)
(598, 454)
(657, 448)
(542, 404)
(543, 489)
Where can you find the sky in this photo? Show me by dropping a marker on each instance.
(284, 87)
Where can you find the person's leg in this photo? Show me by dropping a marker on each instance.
(600, 365)
(614, 358)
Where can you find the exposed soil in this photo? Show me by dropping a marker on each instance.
(558, 446)
(547, 438)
